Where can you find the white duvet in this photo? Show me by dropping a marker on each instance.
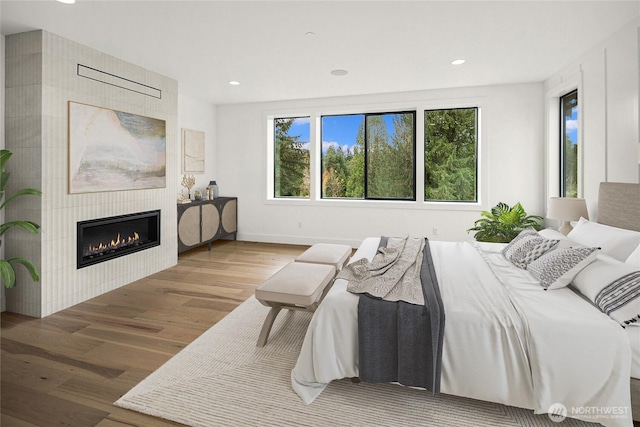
(506, 339)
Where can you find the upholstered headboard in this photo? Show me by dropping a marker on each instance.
(619, 205)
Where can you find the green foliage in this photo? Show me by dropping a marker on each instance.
(291, 162)
(7, 271)
(570, 167)
(504, 223)
(450, 154)
(390, 162)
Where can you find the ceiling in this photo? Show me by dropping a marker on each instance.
(386, 46)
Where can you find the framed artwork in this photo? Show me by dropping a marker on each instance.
(192, 151)
(112, 150)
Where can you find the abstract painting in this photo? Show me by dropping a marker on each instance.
(192, 151)
(111, 150)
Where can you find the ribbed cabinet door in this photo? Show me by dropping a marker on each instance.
(210, 222)
(189, 226)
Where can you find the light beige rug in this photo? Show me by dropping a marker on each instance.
(223, 379)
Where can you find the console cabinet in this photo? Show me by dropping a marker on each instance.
(204, 221)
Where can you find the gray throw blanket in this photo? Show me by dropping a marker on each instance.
(400, 314)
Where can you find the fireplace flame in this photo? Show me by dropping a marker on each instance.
(116, 243)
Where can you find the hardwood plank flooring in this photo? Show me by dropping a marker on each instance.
(68, 368)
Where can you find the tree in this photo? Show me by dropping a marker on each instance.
(291, 162)
(450, 154)
(334, 175)
(355, 168)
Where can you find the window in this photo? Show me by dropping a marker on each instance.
(569, 144)
(291, 163)
(451, 155)
(369, 156)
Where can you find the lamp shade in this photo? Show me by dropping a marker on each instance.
(567, 208)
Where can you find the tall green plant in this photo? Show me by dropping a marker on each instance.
(504, 223)
(7, 272)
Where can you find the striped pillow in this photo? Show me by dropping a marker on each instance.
(614, 287)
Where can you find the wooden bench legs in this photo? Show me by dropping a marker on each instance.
(268, 323)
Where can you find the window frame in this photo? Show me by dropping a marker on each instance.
(477, 155)
(562, 190)
(316, 112)
(366, 197)
(274, 154)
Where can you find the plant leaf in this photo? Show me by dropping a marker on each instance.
(27, 225)
(7, 274)
(33, 271)
(22, 192)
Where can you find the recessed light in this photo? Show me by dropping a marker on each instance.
(234, 83)
(66, 1)
(339, 72)
(309, 34)
(458, 62)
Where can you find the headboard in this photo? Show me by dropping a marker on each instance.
(619, 205)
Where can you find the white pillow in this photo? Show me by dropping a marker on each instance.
(613, 241)
(634, 258)
(557, 268)
(565, 242)
(614, 287)
(550, 233)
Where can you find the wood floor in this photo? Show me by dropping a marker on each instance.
(68, 368)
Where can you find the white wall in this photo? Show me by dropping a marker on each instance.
(607, 82)
(512, 168)
(3, 302)
(197, 114)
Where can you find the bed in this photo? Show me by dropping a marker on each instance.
(535, 348)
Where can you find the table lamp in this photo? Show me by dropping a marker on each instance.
(567, 209)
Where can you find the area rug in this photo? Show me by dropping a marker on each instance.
(223, 379)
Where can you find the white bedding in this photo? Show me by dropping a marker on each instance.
(506, 339)
(633, 333)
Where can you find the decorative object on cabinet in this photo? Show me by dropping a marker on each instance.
(202, 222)
(188, 181)
(192, 151)
(112, 151)
(212, 190)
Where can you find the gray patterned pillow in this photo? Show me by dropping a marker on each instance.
(532, 249)
(556, 269)
(529, 231)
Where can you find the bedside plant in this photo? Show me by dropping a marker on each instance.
(504, 223)
(7, 272)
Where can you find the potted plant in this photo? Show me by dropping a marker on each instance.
(7, 272)
(504, 223)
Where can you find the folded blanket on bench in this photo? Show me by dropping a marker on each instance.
(400, 314)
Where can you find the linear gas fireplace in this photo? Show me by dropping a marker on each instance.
(100, 240)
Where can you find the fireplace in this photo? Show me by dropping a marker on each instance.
(100, 240)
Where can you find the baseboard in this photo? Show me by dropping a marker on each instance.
(295, 240)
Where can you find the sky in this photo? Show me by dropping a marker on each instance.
(337, 131)
(572, 126)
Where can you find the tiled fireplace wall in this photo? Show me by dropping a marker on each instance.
(41, 78)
